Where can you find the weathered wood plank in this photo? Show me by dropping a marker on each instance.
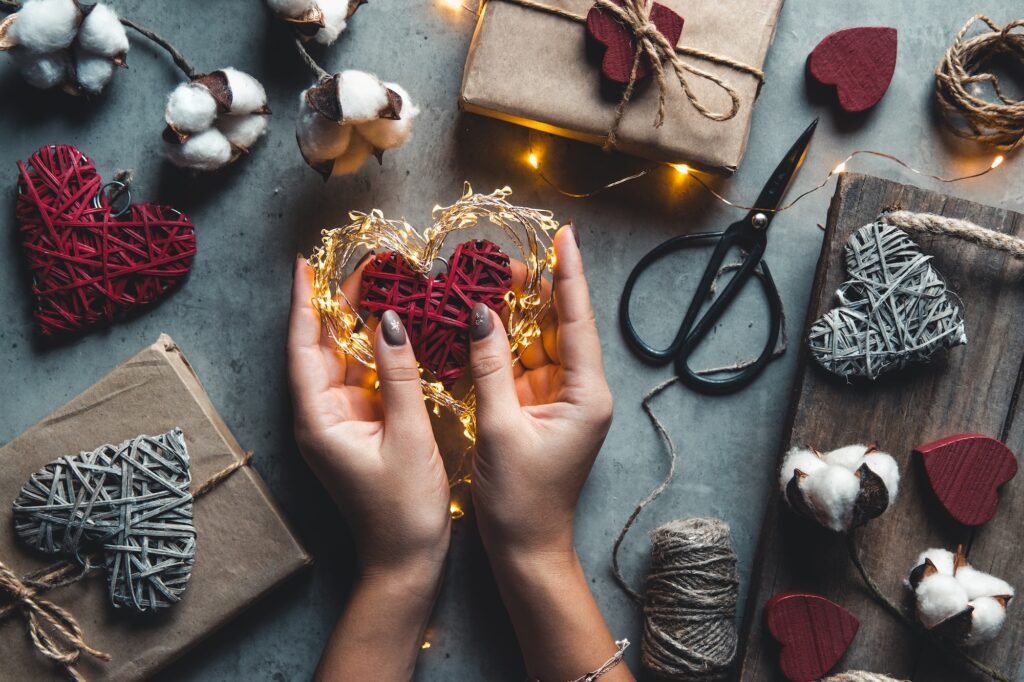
(972, 389)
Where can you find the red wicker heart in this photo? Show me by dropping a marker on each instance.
(89, 267)
(435, 310)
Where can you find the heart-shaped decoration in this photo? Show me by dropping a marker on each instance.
(894, 310)
(620, 42)
(859, 62)
(814, 633)
(435, 310)
(88, 265)
(966, 471)
(133, 502)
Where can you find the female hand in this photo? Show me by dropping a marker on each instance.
(540, 424)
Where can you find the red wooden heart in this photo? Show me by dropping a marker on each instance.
(620, 41)
(859, 61)
(435, 310)
(87, 266)
(814, 633)
(965, 471)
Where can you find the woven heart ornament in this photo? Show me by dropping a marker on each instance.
(894, 310)
(132, 502)
(435, 309)
(88, 264)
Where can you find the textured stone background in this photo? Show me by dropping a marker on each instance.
(252, 218)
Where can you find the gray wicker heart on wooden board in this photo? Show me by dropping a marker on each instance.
(132, 501)
(894, 309)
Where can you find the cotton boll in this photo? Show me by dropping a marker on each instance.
(831, 493)
(359, 150)
(208, 150)
(939, 597)
(190, 108)
(102, 33)
(980, 584)
(362, 96)
(291, 8)
(385, 133)
(887, 469)
(335, 13)
(319, 138)
(92, 71)
(942, 559)
(242, 131)
(247, 93)
(46, 25)
(804, 460)
(986, 620)
(42, 70)
(850, 456)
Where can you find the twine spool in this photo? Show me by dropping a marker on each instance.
(1000, 121)
(689, 602)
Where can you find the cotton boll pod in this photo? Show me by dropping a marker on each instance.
(334, 14)
(207, 150)
(42, 70)
(242, 131)
(359, 150)
(842, 489)
(190, 108)
(386, 133)
(353, 97)
(320, 139)
(956, 601)
(103, 34)
(43, 26)
(92, 71)
(247, 94)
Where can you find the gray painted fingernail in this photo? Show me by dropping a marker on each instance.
(480, 322)
(394, 331)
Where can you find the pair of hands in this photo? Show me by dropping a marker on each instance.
(540, 425)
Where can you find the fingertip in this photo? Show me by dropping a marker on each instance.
(567, 251)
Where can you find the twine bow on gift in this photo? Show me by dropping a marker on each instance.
(650, 42)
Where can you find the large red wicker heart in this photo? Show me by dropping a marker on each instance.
(435, 310)
(88, 266)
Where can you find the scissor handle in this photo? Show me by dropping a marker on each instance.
(641, 347)
(736, 381)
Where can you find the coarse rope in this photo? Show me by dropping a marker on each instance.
(53, 630)
(652, 44)
(929, 223)
(964, 111)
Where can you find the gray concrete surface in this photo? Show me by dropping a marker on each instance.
(253, 217)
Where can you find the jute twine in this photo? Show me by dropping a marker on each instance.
(963, 109)
(651, 44)
(54, 631)
(860, 676)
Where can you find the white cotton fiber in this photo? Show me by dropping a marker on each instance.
(208, 150)
(362, 95)
(849, 456)
(247, 93)
(385, 133)
(986, 621)
(939, 597)
(832, 493)
(359, 150)
(102, 33)
(291, 8)
(886, 468)
(46, 25)
(797, 458)
(242, 131)
(335, 13)
(943, 559)
(92, 71)
(319, 138)
(42, 70)
(980, 584)
(190, 108)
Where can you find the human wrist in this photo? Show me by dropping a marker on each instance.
(414, 576)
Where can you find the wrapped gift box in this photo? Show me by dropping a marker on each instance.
(531, 67)
(244, 545)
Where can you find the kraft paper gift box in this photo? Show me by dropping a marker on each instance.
(531, 67)
(244, 547)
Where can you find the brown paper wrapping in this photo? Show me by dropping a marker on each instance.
(530, 67)
(244, 545)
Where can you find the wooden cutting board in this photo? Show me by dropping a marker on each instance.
(973, 388)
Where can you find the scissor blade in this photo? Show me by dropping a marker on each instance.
(775, 188)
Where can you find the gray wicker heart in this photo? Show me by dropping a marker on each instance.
(894, 310)
(130, 500)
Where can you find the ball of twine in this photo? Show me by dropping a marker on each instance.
(998, 122)
(689, 601)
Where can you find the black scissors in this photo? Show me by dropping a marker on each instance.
(750, 235)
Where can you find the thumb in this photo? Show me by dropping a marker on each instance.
(405, 414)
(490, 362)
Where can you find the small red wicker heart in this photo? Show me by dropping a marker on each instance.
(435, 310)
(88, 266)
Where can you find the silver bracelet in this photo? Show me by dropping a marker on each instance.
(621, 644)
